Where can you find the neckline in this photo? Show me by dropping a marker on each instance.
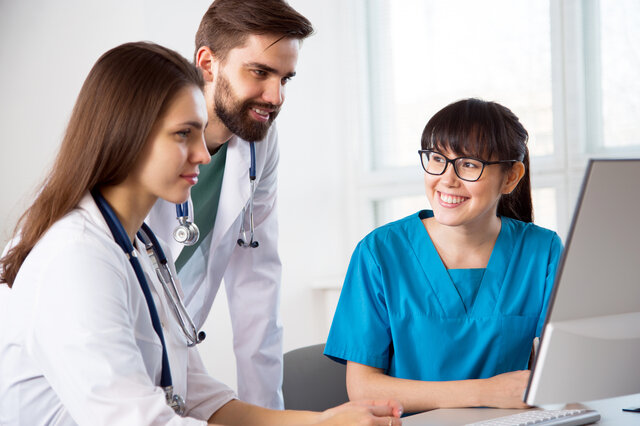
(437, 275)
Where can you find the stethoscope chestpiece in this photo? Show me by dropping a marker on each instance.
(186, 232)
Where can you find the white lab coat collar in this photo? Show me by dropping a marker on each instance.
(90, 210)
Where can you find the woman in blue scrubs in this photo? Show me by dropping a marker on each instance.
(440, 309)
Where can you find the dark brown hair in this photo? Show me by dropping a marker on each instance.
(227, 23)
(126, 91)
(488, 131)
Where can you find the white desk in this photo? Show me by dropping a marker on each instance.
(610, 412)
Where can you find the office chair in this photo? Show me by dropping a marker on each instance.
(311, 381)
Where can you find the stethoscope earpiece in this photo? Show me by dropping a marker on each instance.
(252, 244)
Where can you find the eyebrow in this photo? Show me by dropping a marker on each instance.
(196, 124)
(267, 68)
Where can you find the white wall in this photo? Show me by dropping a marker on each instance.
(46, 50)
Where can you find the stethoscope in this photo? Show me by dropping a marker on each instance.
(242, 241)
(159, 260)
(187, 232)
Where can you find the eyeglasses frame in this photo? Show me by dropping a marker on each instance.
(453, 163)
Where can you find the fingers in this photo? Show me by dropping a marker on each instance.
(383, 407)
(506, 390)
(383, 411)
(370, 412)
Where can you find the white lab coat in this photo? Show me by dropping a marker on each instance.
(251, 275)
(77, 344)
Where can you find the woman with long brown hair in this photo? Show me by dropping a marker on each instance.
(94, 332)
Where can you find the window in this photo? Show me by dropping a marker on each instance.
(613, 62)
(442, 51)
(566, 68)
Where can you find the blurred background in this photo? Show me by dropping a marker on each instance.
(368, 81)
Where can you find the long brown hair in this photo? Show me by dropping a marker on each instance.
(126, 91)
(227, 23)
(485, 130)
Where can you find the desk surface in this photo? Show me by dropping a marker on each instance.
(610, 412)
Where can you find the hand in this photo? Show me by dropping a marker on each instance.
(367, 412)
(506, 390)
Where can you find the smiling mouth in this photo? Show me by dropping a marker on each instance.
(452, 199)
(261, 112)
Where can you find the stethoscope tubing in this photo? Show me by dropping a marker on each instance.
(252, 167)
(182, 210)
(176, 402)
(151, 244)
(242, 241)
(121, 238)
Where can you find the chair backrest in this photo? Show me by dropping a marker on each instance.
(311, 381)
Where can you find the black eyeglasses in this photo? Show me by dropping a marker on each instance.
(466, 168)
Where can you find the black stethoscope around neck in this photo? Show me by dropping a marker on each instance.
(164, 275)
(187, 232)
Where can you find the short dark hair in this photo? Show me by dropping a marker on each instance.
(485, 130)
(227, 23)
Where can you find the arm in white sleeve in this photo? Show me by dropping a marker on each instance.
(205, 395)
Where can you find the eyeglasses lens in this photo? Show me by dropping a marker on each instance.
(466, 168)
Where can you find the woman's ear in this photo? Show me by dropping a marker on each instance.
(206, 61)
(512, 177)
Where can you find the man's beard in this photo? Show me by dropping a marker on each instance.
(234, 113)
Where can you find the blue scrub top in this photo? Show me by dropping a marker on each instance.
(401, 310)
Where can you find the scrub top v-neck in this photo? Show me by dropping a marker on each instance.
(401, 310)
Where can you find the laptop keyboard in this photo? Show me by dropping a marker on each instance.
(544, 417)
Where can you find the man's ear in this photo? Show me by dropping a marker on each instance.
(514, 174)
(206, 61)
